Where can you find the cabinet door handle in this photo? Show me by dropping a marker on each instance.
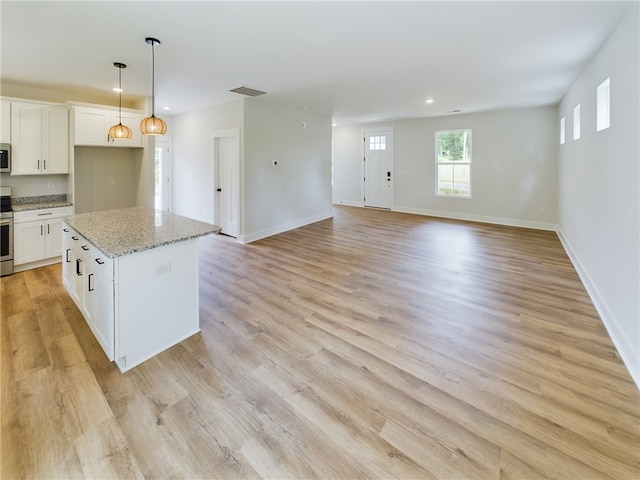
(44, 164)
(90, 286)
(78, 262)
(65, 230)
(48, 232)
(41, 230)
(38, 165)
(99, 261)
(74, 237)
(85, 248)
(67, 255)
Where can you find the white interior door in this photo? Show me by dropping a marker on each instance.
(164, 174)
(227, 158)
(378, 168)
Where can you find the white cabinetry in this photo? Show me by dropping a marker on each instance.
(103, 303)
(38, 235)
(91, 127)
(39, 139)
(88, 276)
(5, 121)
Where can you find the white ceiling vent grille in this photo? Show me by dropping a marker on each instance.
(249, 92)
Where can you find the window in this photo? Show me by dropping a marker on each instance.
(576, 122)
(453, 163)
(562, 131)
(602, 105)
(378, 142)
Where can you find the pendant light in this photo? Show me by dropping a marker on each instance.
(153, 125)
(120, 131)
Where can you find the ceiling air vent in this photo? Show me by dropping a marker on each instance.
(249, 92)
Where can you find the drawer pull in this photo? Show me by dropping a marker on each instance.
(99, 261)
(85, 248)
(74, 237)
(43, 214)
(65, 230)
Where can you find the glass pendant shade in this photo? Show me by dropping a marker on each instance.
(120, 131)
(153, 125)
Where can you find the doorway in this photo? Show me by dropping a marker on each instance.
(164, 174)
(226, 167)
(378, 167)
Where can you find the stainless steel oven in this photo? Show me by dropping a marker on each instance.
(6, 232)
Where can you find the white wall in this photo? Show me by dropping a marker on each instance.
(599, 178)
(298, 190)
(514, 167)
(106, 178)
(193, 173)
(35, 185)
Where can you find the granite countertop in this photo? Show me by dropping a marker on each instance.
(21, 204)
(129, 230)
(22, 207)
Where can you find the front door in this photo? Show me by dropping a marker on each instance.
(378, 168)
(227, 147)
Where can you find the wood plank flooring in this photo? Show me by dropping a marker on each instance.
(371, 345)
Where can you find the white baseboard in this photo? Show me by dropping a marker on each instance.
(348, 203)
(511, 222)
(252, 237)
(40, 263)
(630, 355)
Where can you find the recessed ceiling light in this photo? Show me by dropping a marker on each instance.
(429, 100)
(116, 89)
(166, 107)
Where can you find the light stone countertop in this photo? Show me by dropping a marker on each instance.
(23, 207)
(129, 230)
(39, 202)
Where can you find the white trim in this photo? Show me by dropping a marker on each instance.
(510, 222)
(37, 264)
(628, 353)
(348, 203)
(252, 237)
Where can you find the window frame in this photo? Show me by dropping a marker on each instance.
(467, 163)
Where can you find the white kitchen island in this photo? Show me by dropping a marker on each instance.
(133, 273)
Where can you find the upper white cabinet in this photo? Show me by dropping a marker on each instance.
(91, 127)
(5, 121)
(39, 139)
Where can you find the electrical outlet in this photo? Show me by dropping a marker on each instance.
(111, 181)
(49, 184)
(163, 268)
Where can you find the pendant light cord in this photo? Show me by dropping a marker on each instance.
(153, 79)
(120, 95)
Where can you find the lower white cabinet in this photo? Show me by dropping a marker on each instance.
(103, 304)
(38, 235)
(87, 275)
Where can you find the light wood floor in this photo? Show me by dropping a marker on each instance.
(371, 345)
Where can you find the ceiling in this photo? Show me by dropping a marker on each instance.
(360, 61)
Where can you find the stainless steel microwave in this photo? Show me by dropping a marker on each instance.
(5, 157)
